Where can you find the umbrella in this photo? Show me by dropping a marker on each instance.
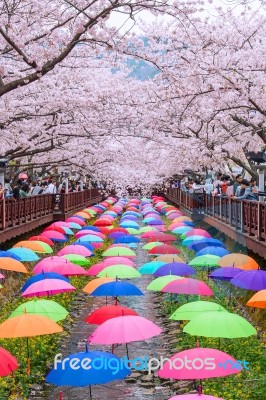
(37, 246)
(90, 238)
(60, 229)
(127, 239)
(85, 232)
(24, 254)
(129, 224)
(190, 240)
(146, 229)
(199, 232)
(60, 266)
(103, 222)
(188, 286)
(116, 260)
(46, 308)
(126, 329)
(203, 363)
(8, 254)
(150, 267)
(119, 271)
(250, 280)
(89, 370)
(238, 260)
(95, 283)
(205, 261)
(97, 268)
(105, 313)
(159, 283)
(82, 214)
(119, 251)
(55, 236)
(219, 324)
(42, 239)
(258, 300)
(116, 235)
(117, 288)
(75, 249)
(27, 325)
(48, 287)
(40, 277)
(181, 229)
(164, 249)
(195, 397)
(150, 245)
(225, 274)
(201, 244)
(10, 264)
(175, 268)
(8, 363)
(165, 237)
(190, 310)
(77, 220)
(215, 251)
(76, 259)
(168, 258)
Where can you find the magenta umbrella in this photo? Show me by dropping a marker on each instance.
(118, 260)
(198, 232)
(85, 232)
(54, 235)
(75, 249)
(48, 287)
(188, 286)
(77, 220)
(199, 363)
(197, 396)
(60, 266)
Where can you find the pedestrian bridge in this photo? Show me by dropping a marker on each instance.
(244, 221)
(26, 214)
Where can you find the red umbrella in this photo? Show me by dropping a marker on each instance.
(77, 220)
(103, 222)
(104, 313)
(8, 363)
(54, 228)
(123, 230)
(150, 234)
(42, 239)
(54, 235)
(164, 249)
(164, 237)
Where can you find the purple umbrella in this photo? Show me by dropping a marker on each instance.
(225, 274)
(156, 222)
(175, 268)
(116, 235)
(250, 280)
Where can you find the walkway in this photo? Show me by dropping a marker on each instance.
(244, 221)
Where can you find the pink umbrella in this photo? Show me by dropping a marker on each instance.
(117, 260)
(197, 396)
(174, 215)
(75, 249)
(54, 235)
(176, 225)
(97, 268)
(199, 363)
(85, 232)
(188, 286)
(199, 232)
(126, 329)
(48, 287)
(77, 221)
(60, 266)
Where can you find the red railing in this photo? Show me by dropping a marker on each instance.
(248, 217)
(14, 213)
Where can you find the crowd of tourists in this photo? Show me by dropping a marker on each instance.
(223, 185)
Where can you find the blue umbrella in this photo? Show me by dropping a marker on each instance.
(8, 254)
(127, 239)
(116, 235)
(24, 254)
(129, 224)
(68, 231)
(156, 222)
(175, 268)
(117, 288)
(213, 250)
(150, 267)
(129, 218)
(91, 368)
(201, 244)
(89, 238)
(91, 228)
(40, 277)
(74, 225)
(225, 274)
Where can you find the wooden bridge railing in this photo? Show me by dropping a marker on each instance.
(25, 210)
(248, 217)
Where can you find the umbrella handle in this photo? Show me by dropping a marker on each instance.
(61, 396)
(28, 366)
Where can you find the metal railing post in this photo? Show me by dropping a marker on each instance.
(241, 216)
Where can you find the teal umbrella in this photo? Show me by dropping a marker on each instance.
(24, 254)
(150, 267)
(191, 239)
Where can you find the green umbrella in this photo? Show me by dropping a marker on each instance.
(119, 271)
(190, 310)
(133, 231)
(205, 261)
(147, 229)
(159, 283)
(76, 259)
(150, 245)
(150, 267)
(91, 212)
(119, 251)
(47, 308)
(219, 324)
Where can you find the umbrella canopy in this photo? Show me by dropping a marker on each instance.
(10, 264)
(60, 229)
(219, 324)
(215, 251)
(24, 254)
(8, 363)
(195, 397)
(164, 249)
(127, 239)
(126, 329)
(46, 308)
(225, 274)
(75, 249)
(95, 283)
(159, 283)
(200, 368)
(169, 258)
(119, 271)
(41, 238)
(105, 313)
(206, 242)
(48, 287)
(85, 232)
(90, 238)
(188, 286)
(258, 300)
(175, 268)
(117, 288)
(40, 277)
(61, 266)
(8, 254)
(76, 259)
(238, 260)
(77, 220)
(165, 237)
(190, 310)
(93, 374)
(129, 224)
(119, 251)
(199, 232)
(37, 246)
(205, 261)
(181, 229)
(151, 245)
(250, 280)
(192, 240)
(150, 267)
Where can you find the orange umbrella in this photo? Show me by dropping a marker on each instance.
(258, 300)
(83, 214)
(169, 258)
(35, 245)
(238, 260)
(92, 285)
(10, 264)
(182, 218)
(28, 325)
